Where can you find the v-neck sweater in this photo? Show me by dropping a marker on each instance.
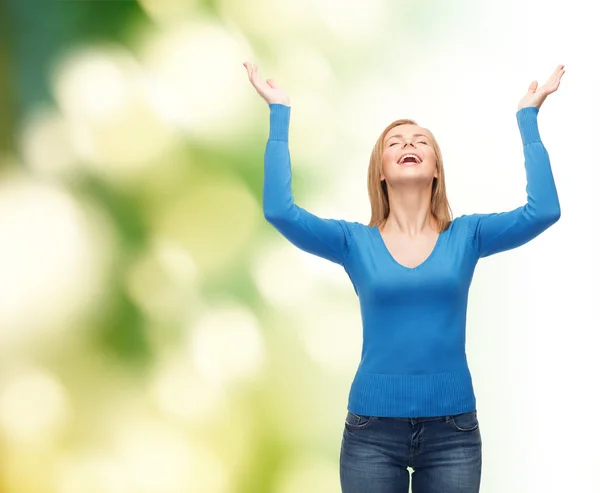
(413, 359)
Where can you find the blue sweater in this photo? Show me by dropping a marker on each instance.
(413, 360)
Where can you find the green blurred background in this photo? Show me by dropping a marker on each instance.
(157, 335)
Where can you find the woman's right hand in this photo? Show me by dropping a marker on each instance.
(268, 90)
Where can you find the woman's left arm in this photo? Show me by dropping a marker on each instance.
(497, 232)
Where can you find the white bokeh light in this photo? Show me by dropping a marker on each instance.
(181, 393)
(276, 19)
(332, 334)
(34, 405)
(357, 23)
(113, 124)
(302, 474)
(53, 259)
(197, 67)
(163, 281)
(155, 457)
(95, 83)
(45, 143)
(92, 472)
(274, 266)
(227, 344)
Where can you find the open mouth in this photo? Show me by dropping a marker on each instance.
(409, 159)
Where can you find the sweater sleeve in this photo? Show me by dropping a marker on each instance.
(497, 232)
(327, 238)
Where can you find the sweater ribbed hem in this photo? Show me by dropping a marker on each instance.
(412, 396)
(528, 124)
(279, 121)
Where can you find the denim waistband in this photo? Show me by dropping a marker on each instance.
(429, 418)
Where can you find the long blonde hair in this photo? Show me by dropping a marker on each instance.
(378, 194)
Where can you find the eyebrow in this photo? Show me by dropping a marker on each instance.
(400, 135)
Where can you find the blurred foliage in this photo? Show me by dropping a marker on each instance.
(37, 33)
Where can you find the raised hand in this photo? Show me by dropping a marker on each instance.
(536, 95)
(268, 90)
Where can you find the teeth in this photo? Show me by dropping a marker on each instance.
(410, 155)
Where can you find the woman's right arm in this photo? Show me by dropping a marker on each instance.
(327, 238)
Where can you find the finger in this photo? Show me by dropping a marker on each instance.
(259, 83)
(556, 81)
(257, 79)
(557, 73)
(248, 69)
(252, 75)
(533, 86)
(551, 87)
(557, 70)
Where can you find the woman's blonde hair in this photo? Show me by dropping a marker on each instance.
(378, 194)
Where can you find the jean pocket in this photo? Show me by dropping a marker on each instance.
(358, 421)
(465, 421)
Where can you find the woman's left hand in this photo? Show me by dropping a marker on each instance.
(536, 95)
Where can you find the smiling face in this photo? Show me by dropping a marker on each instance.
(408, 154)
(387, 180)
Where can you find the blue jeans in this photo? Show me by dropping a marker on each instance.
(444, 453)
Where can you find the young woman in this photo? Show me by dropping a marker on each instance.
(411, 402)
